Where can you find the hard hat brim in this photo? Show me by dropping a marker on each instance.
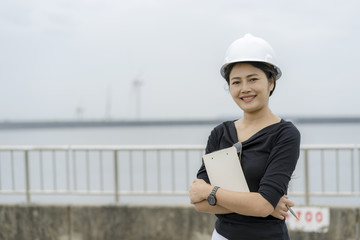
(277, 76)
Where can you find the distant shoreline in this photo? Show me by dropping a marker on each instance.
(146, 123)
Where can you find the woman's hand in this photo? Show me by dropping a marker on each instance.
(199, 190)
(281, 209)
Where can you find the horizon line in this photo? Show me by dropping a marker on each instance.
(156, 122)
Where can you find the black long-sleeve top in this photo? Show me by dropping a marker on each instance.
(268, 160)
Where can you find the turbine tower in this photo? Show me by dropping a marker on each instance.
(108, 104)
(137, 82)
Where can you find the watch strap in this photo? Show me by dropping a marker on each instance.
(213, 192)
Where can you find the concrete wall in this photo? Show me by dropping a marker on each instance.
(102, 222)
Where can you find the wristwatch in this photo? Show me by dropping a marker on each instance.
(211, 198)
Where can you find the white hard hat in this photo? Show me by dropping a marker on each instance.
(250, 49)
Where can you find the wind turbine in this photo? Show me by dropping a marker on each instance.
(136, 84)
(108, 104)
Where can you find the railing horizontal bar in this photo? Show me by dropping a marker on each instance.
(151, 147)
(326, 194)
(123, 193)
(318, 194)
(139, 147)
(5, 192)
(101, 147)
(329, 146)
(33, 147)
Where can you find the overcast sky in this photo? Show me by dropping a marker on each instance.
(60, 56)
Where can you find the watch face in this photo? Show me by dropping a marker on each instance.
(212, 200)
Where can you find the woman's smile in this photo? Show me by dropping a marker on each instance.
(248, 98)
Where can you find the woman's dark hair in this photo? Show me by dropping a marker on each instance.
(268, 69)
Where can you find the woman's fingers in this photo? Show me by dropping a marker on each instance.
(289, 203)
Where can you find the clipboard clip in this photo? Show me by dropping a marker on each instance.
(238, 147)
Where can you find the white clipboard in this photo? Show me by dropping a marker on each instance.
(224, 169)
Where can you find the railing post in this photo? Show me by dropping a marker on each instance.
(116, 177)
(27, 176)
(306, 167)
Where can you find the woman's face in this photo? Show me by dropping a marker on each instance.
(249, 87)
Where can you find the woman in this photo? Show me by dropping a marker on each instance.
(269, 154)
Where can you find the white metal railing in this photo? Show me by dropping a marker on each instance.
(322, 171)
(331, 170)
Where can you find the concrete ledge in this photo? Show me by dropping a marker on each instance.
(139, 222)
(34, 222)
(133, 222)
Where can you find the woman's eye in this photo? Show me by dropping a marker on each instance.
(253, 79)
(235, 82)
